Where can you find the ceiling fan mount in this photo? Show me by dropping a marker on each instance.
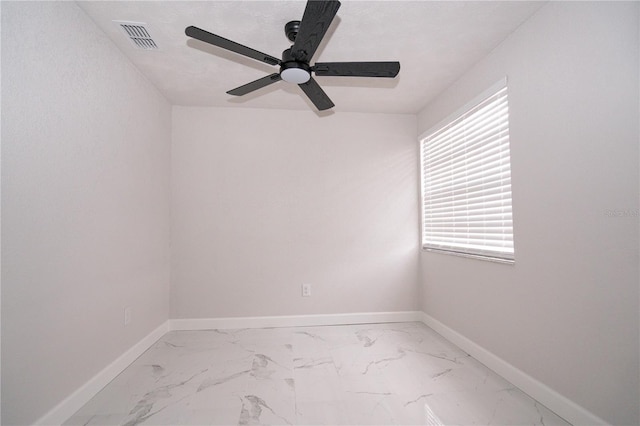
(291, 29)
(295, 66)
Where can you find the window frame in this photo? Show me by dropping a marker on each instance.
(437, 128)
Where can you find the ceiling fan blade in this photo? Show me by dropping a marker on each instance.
(255, 85)
(316, 94)
(357, 69)
(222, 42)
(315, 23)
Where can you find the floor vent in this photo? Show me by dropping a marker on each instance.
(138, 34)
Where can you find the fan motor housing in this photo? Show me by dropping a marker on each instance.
(293, 71)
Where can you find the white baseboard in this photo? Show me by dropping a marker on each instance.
(293, 320)
(61, 412)
(562, 406)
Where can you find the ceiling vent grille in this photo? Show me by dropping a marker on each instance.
(138, 34)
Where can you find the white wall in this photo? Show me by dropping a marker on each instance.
(265, 200)
(85, 205)
(257, 212)
(567, 312)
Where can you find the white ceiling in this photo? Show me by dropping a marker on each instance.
(434, 41)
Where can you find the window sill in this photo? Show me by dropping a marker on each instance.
(470, 256)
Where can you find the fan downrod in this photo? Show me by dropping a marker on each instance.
(291, 29)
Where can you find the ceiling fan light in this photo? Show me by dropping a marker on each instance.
(295, 75)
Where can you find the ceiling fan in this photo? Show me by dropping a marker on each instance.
(295, 66)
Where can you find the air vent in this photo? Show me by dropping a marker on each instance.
(138, 34)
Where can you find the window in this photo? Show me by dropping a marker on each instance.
(466, 182)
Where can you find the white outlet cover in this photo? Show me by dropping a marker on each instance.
(306, 290)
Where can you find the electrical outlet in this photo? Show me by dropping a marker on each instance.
(127, 315)
(306, 290)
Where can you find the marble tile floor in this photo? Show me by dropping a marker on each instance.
(371, 374)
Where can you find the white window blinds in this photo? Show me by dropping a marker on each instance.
(466, 183)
